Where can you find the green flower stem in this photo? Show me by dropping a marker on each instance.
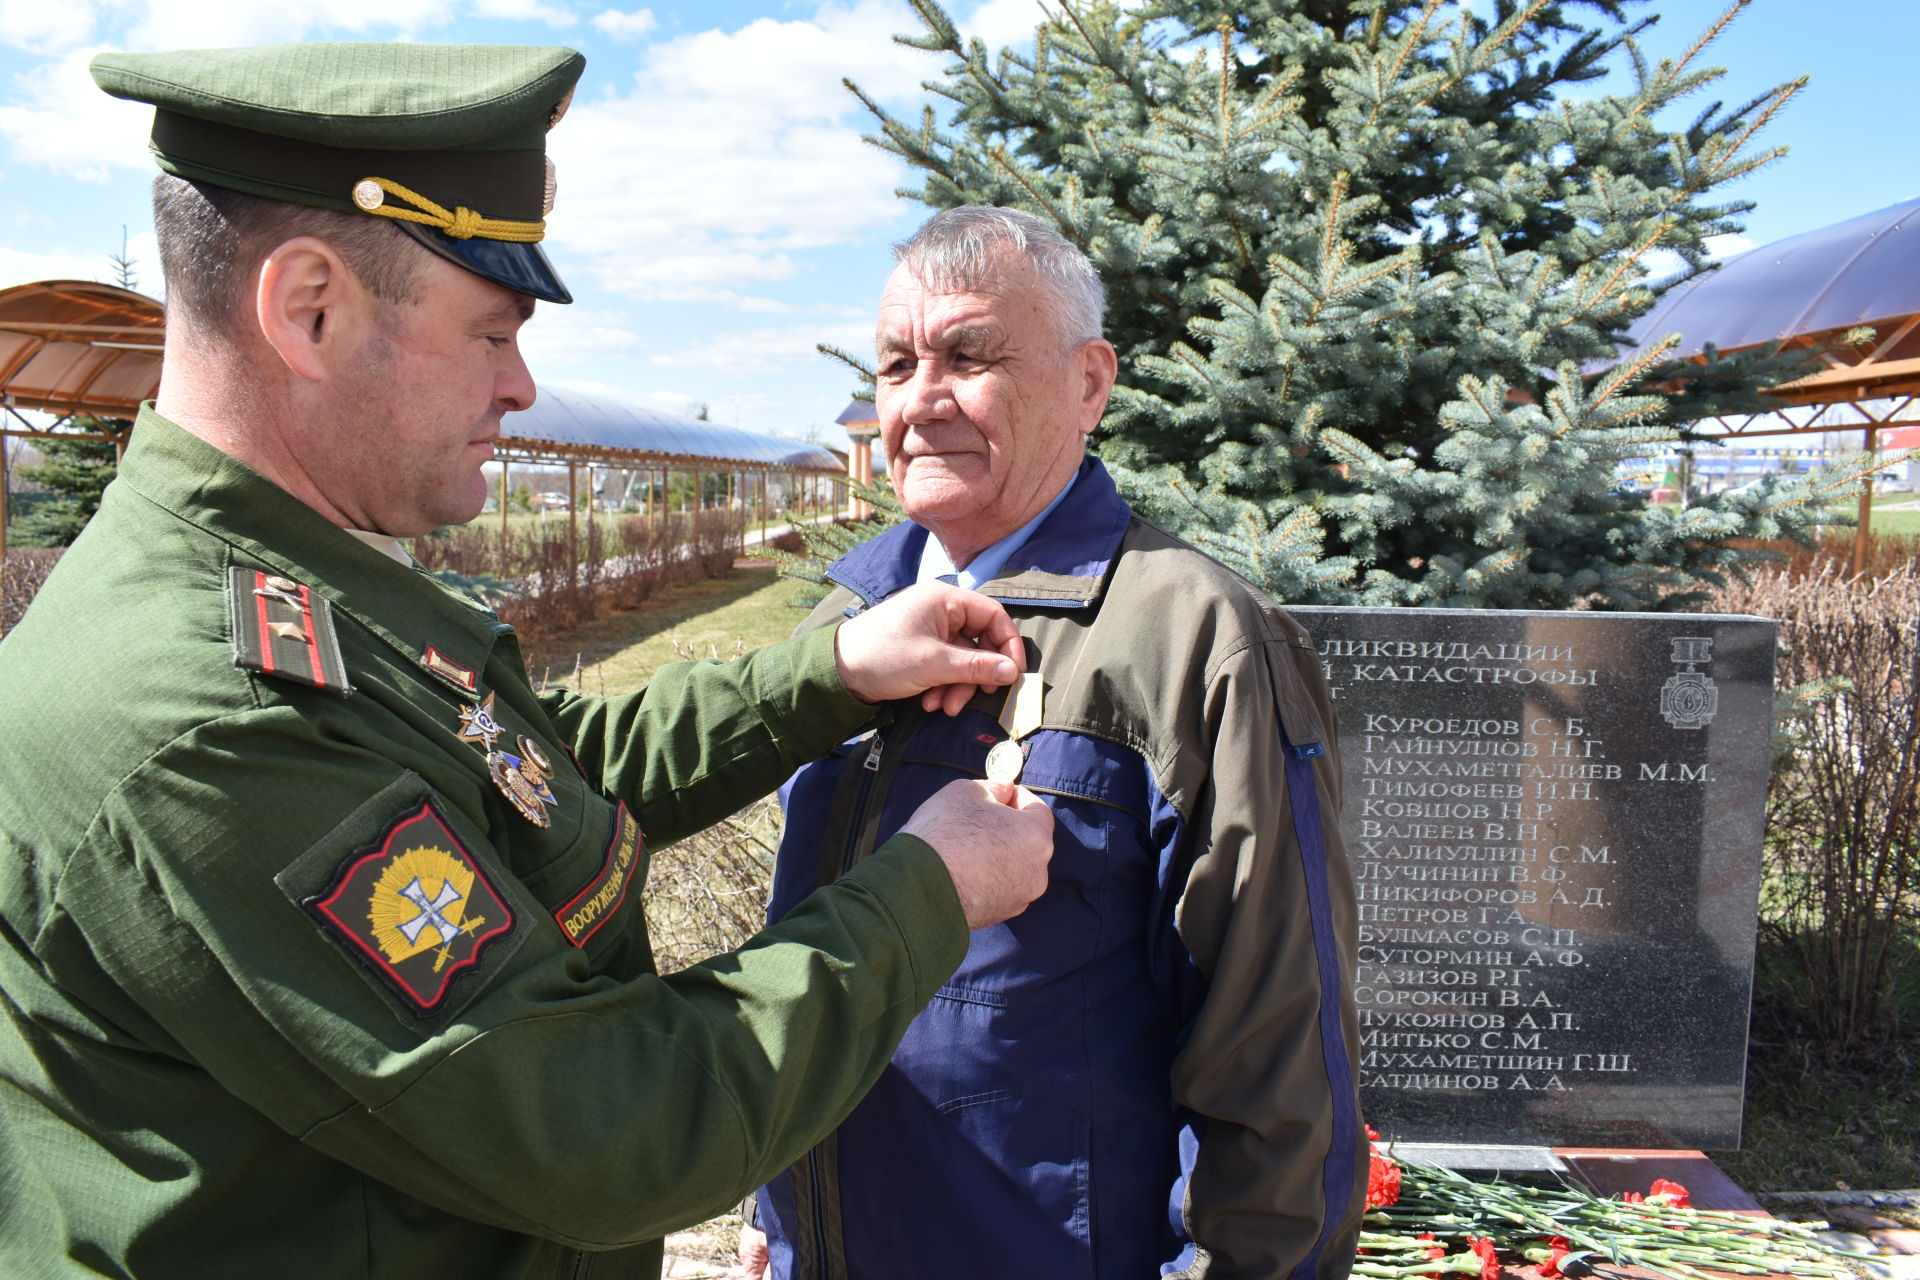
(1678, 1242)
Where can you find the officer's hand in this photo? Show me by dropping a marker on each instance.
(995, 838)
(753, 1253)
(934, 640)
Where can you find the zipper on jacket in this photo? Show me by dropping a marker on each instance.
(871, 767)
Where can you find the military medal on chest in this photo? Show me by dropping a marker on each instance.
(1020, 715)
(522, 778)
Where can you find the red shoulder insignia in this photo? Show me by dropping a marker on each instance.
(460, 676)
(284, 628)
(415, 907)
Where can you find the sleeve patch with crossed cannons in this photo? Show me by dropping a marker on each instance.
(415, 907)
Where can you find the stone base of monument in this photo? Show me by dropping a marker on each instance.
(1610, 1171)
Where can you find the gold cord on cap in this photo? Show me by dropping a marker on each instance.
(370, 194)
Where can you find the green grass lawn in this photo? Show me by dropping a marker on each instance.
(718, 618)
(1888, 518)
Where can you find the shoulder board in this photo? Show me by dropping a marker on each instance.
(282, 628)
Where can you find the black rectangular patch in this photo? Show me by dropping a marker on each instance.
(595, 904)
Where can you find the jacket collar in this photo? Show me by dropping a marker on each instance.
(266, 525)
(1062, 566)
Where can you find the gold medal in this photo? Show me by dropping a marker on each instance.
(1005, 761)
(1020, 715)
(522, 778)
(529, 797)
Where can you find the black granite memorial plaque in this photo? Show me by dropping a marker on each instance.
(1555, 823)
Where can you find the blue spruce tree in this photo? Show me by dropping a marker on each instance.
(1370, 266)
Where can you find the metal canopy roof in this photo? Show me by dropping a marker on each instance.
(1863, 270)
(77, 347)
(73, 346)
(858, 413)
(1806, 291)
(568, 423)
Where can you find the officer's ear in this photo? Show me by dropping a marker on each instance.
(311, 307)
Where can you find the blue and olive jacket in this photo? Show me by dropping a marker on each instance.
(1152, 1070)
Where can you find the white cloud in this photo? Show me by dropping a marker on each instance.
(526, 11)
(23, 266)
(1004, 23)
(744, 352)
(567, 337)
(733, 152)
(40, 26)
(1720, 248)
(201, 24)
(60, 120)
(624, 25)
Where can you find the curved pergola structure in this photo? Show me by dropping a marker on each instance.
(77, 348)
(576, 429)
(1806, 292)
(74, 347)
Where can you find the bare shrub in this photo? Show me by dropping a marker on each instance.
(1886, 553)
(561, 578)
(1842, 891)
(708, 893)
(22, 571)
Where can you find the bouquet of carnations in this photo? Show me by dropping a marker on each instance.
(1423, 1220)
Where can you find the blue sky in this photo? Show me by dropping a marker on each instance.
(717, 211)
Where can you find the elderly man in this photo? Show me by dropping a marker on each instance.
(322, 954)
(1151, 1071)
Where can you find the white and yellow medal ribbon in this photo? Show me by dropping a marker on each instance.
(1020, 715)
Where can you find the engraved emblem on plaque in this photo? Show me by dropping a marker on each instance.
(1689, 699)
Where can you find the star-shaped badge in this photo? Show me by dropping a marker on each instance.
(478, 725)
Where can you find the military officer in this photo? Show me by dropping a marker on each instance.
(320, 948)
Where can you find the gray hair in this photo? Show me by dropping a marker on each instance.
(957, 248)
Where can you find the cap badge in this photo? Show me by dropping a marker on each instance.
(546, 197)
(559, 110)
(462, 223)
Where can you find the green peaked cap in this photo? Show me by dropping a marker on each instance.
(447, 140)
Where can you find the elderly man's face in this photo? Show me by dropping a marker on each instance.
(983, 409)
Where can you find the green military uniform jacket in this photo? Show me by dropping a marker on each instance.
(292, 987)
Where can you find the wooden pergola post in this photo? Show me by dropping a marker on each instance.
(573, 522)
(504, 468)
(5, 483)
(1864, 529)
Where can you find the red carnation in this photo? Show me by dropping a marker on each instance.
(1383, 1175)
(1433, 1250)
(1383, 1182)
(1489, 1260)
(1548, 1259)
(1671, 1194)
